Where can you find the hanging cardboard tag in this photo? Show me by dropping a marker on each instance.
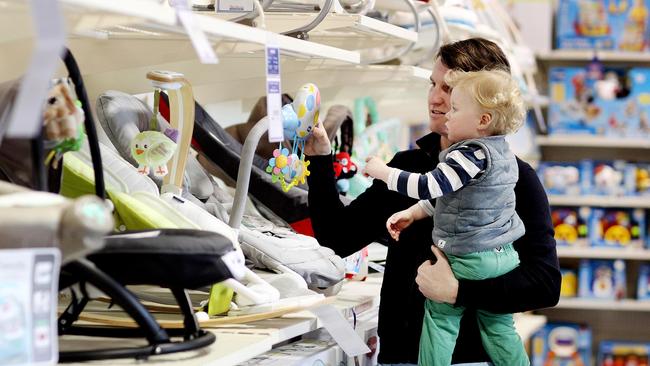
(202, 46)
(28, 300)
(340, 330)
(273, 90)
(25, 118)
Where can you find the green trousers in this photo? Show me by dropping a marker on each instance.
(442, 321)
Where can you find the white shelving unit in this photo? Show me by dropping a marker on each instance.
(588, 55)
(607, 305)
(593, 142)
(599, 201)
(604, 253)
(345, 31)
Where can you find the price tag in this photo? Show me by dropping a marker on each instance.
(202, 46)
(25, 118)
(273, 91)
(340, 330)
(28, 299)
(235, 6)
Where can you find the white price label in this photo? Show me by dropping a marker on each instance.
(50, 37)
(235, 6)
(202, 46)
(29, 281)
(274, 92)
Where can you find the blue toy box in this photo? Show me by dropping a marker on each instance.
(617, 228)
(643, 283)
(596, 101)
(637, 179)
(563, 178)
(571, 225)
(606, 178)
(612, 25)
(614, 353)
(602, 279)
(561, 344)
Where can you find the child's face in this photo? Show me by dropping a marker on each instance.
(464, 117)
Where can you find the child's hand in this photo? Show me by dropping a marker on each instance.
(376, 168)
(398, 222)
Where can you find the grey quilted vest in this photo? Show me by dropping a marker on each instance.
(481, 215)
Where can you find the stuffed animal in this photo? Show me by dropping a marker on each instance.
(62, 117)
(152, 149)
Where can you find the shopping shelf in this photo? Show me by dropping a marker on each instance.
(604, 253)
(609, 305)
(588, 55)
(599, 201)
(593, 141)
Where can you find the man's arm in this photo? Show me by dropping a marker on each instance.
(535, 283)
(347, 229)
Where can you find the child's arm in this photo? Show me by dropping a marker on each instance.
(403, 219)
(461, 165)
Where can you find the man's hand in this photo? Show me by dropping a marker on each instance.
(437, 281)
(318, 143)
(376, 168)
(398, 222)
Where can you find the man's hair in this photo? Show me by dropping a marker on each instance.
(473, 54)
(496, 93)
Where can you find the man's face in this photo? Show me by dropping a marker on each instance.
(439, 99)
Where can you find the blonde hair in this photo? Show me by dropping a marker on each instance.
(497, 93)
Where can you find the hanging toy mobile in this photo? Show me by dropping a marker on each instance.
(153, 149)
(299, 119)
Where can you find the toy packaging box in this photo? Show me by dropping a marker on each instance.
(606, 178)
(602, 279)
(643, 283)
(563, 178)
(613, 24)
(561, 344)
(617, 228)
(571, 225)
(601, 101)
(637, 179)
(569, 287)
(614, 353)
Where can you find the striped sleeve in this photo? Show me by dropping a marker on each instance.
(461, 165)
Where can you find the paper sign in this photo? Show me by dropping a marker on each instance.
(235, 6)
(274, 91)
(25, 118)
(28, 300)
(340, 330)
(202, 46)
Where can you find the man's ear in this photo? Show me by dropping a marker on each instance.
(485, 122)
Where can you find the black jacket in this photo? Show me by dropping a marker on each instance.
(346, 229)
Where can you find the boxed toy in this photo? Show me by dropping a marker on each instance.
(617, 228)
(600, 101)
(561, 344)
(643, 283)
(614, 353)
(606, 178)
(602, 279)
(613, 25)
(563, 178)
(637, 179)
(571, 225)
(303, 352)
(569, 287)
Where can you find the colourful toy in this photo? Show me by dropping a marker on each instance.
(593, 24)
(643, 283)
(63, 120)
(617, 228)
(298, 119)
(637, 179)
(571, 225)
(614, 353)
(561, 344)
(563, 178)
(606, 178)
(602, 279)
(569, 287)
(153, 149)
